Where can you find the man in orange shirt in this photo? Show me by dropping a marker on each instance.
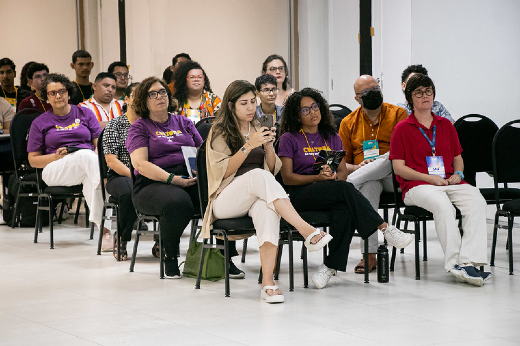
(365, 134)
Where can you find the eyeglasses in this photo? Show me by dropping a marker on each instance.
(53, 93)
(366, 91)
(307, 110)
(267, 91)
(120, 75)
(279, 68)
(40, 76)
(193, 77)
(419, 94)
(156, 94)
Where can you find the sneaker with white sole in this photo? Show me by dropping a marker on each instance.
(322, 276)
(484, 275)
(397, 238)
(467, 274)
(107, 244)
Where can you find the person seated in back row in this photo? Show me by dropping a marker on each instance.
(102, 103)
(267, 91)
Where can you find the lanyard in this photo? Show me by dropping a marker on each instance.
(432, 142)
(312, 149)
(82, 95)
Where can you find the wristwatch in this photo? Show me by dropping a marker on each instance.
(243, 150)
(461, 175)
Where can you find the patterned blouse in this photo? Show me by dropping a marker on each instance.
(114, 139)
(210, 104)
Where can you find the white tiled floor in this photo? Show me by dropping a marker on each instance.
(71, 296)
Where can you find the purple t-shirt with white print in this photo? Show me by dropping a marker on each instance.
(295, 147)
(50, 131)
(163, 140)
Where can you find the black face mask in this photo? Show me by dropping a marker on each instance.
(372, 100)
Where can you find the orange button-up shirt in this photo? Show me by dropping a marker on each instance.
(357, 127)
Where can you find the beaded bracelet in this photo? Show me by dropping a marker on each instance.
(170, 178)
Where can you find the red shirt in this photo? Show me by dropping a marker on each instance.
(408, 144)
(34, 102)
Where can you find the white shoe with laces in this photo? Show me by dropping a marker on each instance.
(397, 238)
(322, 276)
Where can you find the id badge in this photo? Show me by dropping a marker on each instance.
(435, 165)
(370, 149)
(12, 101)
(193, 115)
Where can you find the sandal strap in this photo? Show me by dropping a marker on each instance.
(310, 236)
(274, 288)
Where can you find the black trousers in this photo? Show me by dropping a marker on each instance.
(175, 207)
(121, 188)
(350, 211)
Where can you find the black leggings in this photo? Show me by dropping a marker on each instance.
(175, 207)
(121, 188)
(350, 211)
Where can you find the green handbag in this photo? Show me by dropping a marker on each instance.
(213, 267)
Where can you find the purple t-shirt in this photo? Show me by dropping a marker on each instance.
(295, 147)
(163, 140)
(50, 132)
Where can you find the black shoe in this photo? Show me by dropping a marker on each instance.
(171, 268)
(234, 272)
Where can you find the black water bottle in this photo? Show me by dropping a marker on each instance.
(383, 268)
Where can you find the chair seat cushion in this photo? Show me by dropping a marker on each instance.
(235, 224)
(112, 199)
(417, 211)
(316, 218)
(512, 206)
(29, 177)
(63, 190)
(505, 194)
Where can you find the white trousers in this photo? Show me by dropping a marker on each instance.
(80, 167)
(253, 194)
(470, 248)
(372, 179)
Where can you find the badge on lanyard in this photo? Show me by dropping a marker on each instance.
(12, 101)
(370, 149)
(193, 114)
(435, 163)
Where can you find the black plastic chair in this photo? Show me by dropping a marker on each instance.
(506, 169)
(476, 133)
(24, 173)
(339, 112)
(111, 203)
(204, 126)
(223, 228)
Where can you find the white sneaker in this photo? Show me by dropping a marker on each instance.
(396, 237)
(322, 276)
(107, 243)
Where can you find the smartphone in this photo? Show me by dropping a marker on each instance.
(192, 165)
(267, 121)
(72, 148)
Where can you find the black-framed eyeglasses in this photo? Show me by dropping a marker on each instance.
(419, 93)
(279, 68)
(122, 75)
(53, 93)
(156, 94)
(307, 110)
(267, 91)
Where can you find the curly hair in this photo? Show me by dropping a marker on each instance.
(270, 58)
(180, 77)
(416, 81)
(413, 69)
(291, 113)
(140, 105)
(58, 78)
(226, 122)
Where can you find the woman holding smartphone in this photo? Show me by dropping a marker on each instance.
(241, 162)
(62, 142)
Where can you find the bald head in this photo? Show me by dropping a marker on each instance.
(364, 82)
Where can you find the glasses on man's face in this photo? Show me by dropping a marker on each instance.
(156, 94)
(40, 76)
(279, 68)
(120, 75)
(53, 93)
(419, 93)
(307, 110)
(195, 77)
(267, 91)
(366, 91)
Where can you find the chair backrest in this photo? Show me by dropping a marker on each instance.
(19, 133)
(476, 133)
(202, 177)
(338, 113)
(506, 154)
(103, 167)
(204, 126)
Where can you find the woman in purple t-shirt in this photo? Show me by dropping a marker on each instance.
(307, 128)
(55, 132)
(162, 185)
